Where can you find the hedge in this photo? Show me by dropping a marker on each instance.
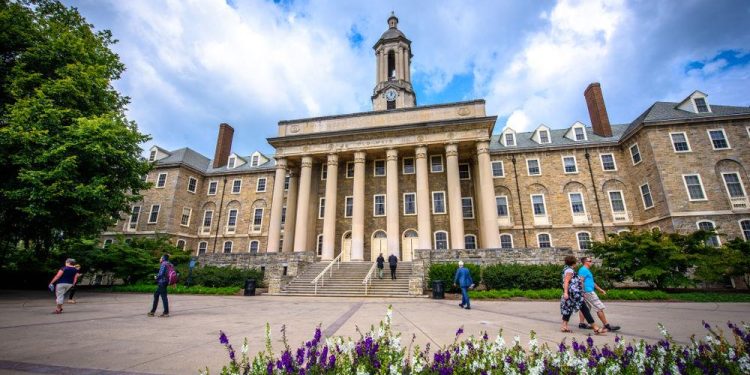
(212, 276)
(447, 271)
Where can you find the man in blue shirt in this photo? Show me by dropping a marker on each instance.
(464, 281)
(589, 294)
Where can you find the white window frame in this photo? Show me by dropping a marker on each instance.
(203, 244)
(700, 183)
(544, 204)
(528, 167)
(468, 171)
(151, 212)
(674, 146)
(250, 247)
(643, 196)
(323, 171)
(507, 206)
(159, 183)
(375, 168)
(724, 134)
(575, 164)
(375, 205)
(539, 243)
(474, 236)
(705, 102)
(471, 205)
(346, 200)
(583, 130)
(321, 207)
(549, 138)
(413, 165)
(216, 187)
(578, 240)
(614, 162)
(133, 224)
(211, 221)
(109, 241)
(713, 225)
(257, 185)
(257, 227)
(195, 186)
(319, 245)
(283, 216)
(746, 236)
(232, 228)
(287, 180)
(447, 238)
(501, 240)
(612, 206)
(513, 139)
(224, 247)
(415, 204)
(442, 165)
(189, 215)
(570, 201)
(152, 155)
(445, 204)
(177, 244)
(239, 190)
(502, 169)
(231, 162)
(255, 160)
(632, 155)
(346, 172)
(739, 179)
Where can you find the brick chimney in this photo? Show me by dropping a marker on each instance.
(223, 145)
(597, 110)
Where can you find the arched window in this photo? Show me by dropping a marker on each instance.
(391, 65)
(506, 241)
(202, 246)
(227, 247)
(441, 240)
(254, 247)
(584, 240)
(744, 225)
(380, 234)
(320, 245)
(181, 244)
(709, 226)
(470, 242)
(544, 240)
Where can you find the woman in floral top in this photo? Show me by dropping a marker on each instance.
(572, 298)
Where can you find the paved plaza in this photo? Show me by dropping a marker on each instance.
(109, 333)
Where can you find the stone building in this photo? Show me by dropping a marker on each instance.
(404, 177)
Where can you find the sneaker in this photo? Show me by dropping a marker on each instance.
(584, 326)
(461, 304)
(150, 314)
(468, 307)
(164, 315)
(612, 328)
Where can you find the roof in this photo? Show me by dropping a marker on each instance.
(194, 160)
(667, 111)
(557, 136)
(392, 33)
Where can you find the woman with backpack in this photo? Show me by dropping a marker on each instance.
(572, 298)
(166, 270)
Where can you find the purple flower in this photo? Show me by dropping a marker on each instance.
(223, 338)
(300, 356)
(318, 334)
(460, 331)
(521, 367)
(706, 325)
(269, 368)
(323, 356)
(562, 347)
(332, 360)
(231, 352)
(617, 338)
(575, 345)
(485, 337)
(590, 341)
(301, 371)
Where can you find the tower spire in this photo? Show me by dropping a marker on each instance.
(393, 87)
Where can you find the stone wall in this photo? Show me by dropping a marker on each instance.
(273, 265)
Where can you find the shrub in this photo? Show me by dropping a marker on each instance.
(522, 276)
(447, 271)
(224, 276)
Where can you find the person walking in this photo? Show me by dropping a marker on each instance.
(463, 280)
(72, 290)
(381, 262)
(393, 262)
(65, 278)
(589, 294)
(162, 281)
(572, 298)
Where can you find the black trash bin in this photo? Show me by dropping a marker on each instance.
(250, 287)
(438, 289)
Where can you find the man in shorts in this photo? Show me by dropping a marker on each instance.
(589, 293)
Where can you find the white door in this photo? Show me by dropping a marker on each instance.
(379, 245)
(407, 245)
(346, 247)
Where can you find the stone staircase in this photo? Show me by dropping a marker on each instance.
(347, 281)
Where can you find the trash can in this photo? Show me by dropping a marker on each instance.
(438, 290)
(250, 287)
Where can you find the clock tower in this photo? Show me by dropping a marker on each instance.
(393, 77)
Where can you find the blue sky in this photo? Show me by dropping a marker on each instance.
(192, 65)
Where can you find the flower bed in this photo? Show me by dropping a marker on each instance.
(380, 351)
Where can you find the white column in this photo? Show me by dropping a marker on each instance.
(455, 211)
(274, 229)
(399, 70)
(291, 212)
(392, 199)
(488, 222)
(383, 65)
(424, 216)
(303, 205)
(377, 67)
(329, 216)
(358, 211)
(407, 69)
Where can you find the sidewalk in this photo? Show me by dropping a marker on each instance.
(110, 333)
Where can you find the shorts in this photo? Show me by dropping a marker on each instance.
(593, 301)
(60, 292)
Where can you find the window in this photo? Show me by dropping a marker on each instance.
(231, 221)
(144, 177)
(161, 180)
(537, 202)
(718, 139)
(208, 216)
(635, 154)
(694, 187)
(192, 184)
(230, 163)
(680, 142)
(584, 241)
(254, 161)
(700, 105)
(616, 201)
(569, 164)
(261, 185)
(506, 241)
(378, 202)
(576, 203)
(734, 185)
(254, 245)
(410, 203)
(180, 244)
(436, 163)
(283, 216)
(467, 207)
(407, 166)
(498, 170)
(319, 245)
(321, 208)
(134, 217)
(257, 219)
(648, 202)
(227, 247)
(348, 206)
(441, 240)
(510, 139)
(544, 136)
(745, 226)
(152, 155)
(608, 162)
(349, 169)
(287, 178)
(212, 187)
(107, 242)
(544, 240)
(438, 202)
(464, 171)
(236, 186)
(502, 205)
(533, 167)
(185, 219)
(709, 226)
(323, 171)
(580, 134)
(470, 242)
(202, 246)
(378, 168)
(154, 214)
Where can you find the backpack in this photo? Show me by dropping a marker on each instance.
(172, 275)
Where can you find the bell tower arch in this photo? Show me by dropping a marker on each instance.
(393, 70)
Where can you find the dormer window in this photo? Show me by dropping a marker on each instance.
(254, 161)
(510, 139)
(544, 136)
(152, 156)
(700, 105)
(580, 134)
(231, 162)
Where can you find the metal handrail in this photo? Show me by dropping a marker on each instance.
(329, 267)
(368, 278)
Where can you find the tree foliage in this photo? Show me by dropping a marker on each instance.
(69, 158)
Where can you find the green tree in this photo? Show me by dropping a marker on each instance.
(69, 158)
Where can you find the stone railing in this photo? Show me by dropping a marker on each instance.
(279, 268)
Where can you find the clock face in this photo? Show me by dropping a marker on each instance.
(390, 95)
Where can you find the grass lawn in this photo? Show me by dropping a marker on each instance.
(617, 294)
(177, 289)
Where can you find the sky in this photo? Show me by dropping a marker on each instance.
(193, 64)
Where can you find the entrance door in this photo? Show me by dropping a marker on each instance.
(407, 245)
(379, 245)
(346, 247)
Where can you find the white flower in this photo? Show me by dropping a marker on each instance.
(744, 363)
(516, 340)
(394, 370)
(533, 344)
(500, 342)
(362, 371)
(244, 348)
